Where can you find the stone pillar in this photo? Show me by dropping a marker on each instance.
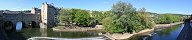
(43, 25)
(44, 19)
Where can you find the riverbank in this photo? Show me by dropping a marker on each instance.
(97, 27)
(118, 36)
(158, 26)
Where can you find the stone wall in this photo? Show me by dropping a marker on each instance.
(21, 17)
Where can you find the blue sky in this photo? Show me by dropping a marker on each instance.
(157, 6)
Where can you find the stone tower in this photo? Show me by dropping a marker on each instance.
(49, 15)
(35, 10)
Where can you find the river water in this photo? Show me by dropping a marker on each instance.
(25, 33)
(165, 34)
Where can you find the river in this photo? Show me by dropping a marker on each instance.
(165, 34)
(26, 33)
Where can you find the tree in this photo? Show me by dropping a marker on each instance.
(126, 19)
(82, 17)
(65, 16)
(167, 18)
(120, 19)
(78, 16)
(122, 8)
(73, 13)
(98, 16)
(145, 18)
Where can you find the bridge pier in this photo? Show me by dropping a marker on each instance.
(43, 25)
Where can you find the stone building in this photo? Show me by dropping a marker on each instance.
(49, 15)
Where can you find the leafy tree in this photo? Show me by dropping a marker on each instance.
(167, 18)
(122, 8)
(126, 19)
(73, 13)
(65, 16)
(98, 16)
(145, 18)
(78, 16)
(82, 17)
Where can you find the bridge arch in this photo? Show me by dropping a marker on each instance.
(8, 26)
(19, 25)
(23, 24)
(33, 24)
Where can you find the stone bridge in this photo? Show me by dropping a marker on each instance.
(43, 18)
(25, 18)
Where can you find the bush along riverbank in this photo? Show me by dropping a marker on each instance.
(120, 36)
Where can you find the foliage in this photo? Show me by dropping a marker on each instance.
(122, 18)
(99, 16)
(123, 8)
(78, 16)
(65, 16)
(82, 17)
(126, 19)
(145, 18)
(167, 18)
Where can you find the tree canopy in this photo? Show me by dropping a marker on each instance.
(126, 19)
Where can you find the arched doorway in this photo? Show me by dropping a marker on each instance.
(33, 24)
(19, 26)
(8, 26)
(23, 24)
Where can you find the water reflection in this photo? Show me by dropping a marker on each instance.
(26, 33)
(166, 34)
(169, 30)
(43, 32)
